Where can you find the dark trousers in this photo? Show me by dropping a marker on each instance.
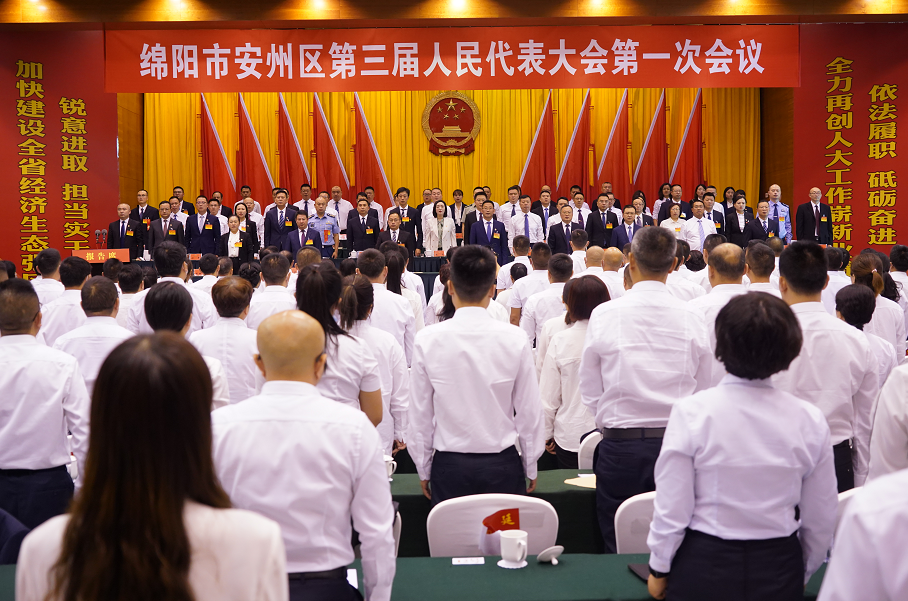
(707, 567)
(461, 474)
(623, 468)
(35, 496)
(567, 460)
(302, 589)
(844, 468)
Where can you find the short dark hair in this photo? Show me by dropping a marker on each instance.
(47, 261)
(833, 258)
(348, 267)
(473, 272)
(99, 295)
(514, 188)
(518, 270)
(248, 188)
(747, 326)
(540, 255)
(231, 295)
(19, 305)
(149, 276)
(111, 269)
(561, 267)
(803, 266)
(73, 271)
(168, 306)
(684, 249)
(712, 241)
(251, 272)
(225, 266)
(579, 238)
(521, 244)
(695, 261)
(168, 259)
(898, 256)
(131, 277)
(370, 263)
(402, 190)
(307, 256)
(208, 264)
(856, 303)
(776, 245)
(584, 294)
(211, 200)
(761, 260)
(275, 268)
(654, 249)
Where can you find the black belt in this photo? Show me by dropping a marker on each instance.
(845, 444)
(335, 574)
(23, 472)
(632, 433)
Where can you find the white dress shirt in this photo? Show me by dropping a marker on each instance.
(709, 306)
(232, 343)
(487, 412)
(274, 299)
(636, 363)
(583, 210)
(126, 301)
(259, 222)
(868, 560)
(836, 371)
(393, 314)
(675, 226)
(351, 368)
(549, 329)
(504, 281)
(48, 290)
(220, 389)
(417, 307)
(223, 221)
(766, 287)
(541, 307)
(888, 322)
(90, 344)
(381, 213)
(208, 281)
(579, 258)
(61, 316)
(342, 210)
(413, 282)
(310, 465)
(901, 277)
(236, 555)
(701, 278)
(735, 462)
(203, 311)
(889, 442)
(395, 382)
(690, 231)
(504, 298)
(837, 281)
(887, 359)
(613, 280)
(497, 311)
(566, 417)
(43, 397)
(516, 227)
(535, 281)
(682, 287)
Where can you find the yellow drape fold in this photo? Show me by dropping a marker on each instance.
(731, 134)
(172, 140)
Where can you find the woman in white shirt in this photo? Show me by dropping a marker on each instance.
(566, 417)
(674, 221)
(888, 319)
(152, 521)
(746, 492)
(351, 375)
(439, 234)
(855, 305)
(665, 195)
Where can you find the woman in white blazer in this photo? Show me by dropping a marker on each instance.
(439, 232)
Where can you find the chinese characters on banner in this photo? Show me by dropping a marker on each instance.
(58, 145)
(334, 60)
(846, 120)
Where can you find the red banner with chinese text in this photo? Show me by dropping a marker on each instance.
(846, 130)
(58, 144)
(467, 58)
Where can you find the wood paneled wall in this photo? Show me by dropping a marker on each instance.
(130, 140)
(777, 141)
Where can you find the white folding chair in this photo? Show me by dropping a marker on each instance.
(844, 499)
(587, 448)
(632, 522)
(454, 526)
(396, 532)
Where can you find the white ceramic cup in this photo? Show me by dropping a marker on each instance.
(514, 546)
(391, 465)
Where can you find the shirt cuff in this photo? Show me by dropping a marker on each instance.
(658, 564)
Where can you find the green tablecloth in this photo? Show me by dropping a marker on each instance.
(578, 528)
(575, 578)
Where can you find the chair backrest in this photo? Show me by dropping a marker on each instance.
(632, 522)
(844, 499)
(455, 526)
(587, 448)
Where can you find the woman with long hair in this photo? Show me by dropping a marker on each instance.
(152, 521)
(665, 195)
(888, 320)
(728, 199)
(735, 222)
(439, 230)
(351, 376)
(247, 225)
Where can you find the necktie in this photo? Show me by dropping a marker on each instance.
(513, 209)
(166, 222)
(603, 219)
(280, 220)
(567, 234)
(765, 229)
(709, 216)
(546, 211)
(122, 234)
(302, 238)
(702, 233)
(364, 224)
(394, 236)
(775, 211)
(337, 208)
(638, 220)
(489, 230)
(816, 219)
(526, 226)
(141, 213)
(580, 218)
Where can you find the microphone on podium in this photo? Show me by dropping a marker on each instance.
(97, 237)
(103, 236)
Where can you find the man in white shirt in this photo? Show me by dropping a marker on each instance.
(246, 192)
(229, 340)
(473, 424)
(43, 397)
(701, 277)
(390, 312)
(214, 208)
(536, 281)
(697, 228)
(836, 370)
(520, 251)
(170, 261)
(581, 211)
(65, 313)
(760, 263)
(132, 281)
(511, 208)
(306, 204)
(340, 206)
(579, 240)
(524, 223)
(290, 454)
(837, 279)
(47, 284)
(275, 298)
(91, 343)
(678, 281)
(631, 382)
(208, 265)
(542, 306)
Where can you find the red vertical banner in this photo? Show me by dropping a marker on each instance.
(329, 168)
(367, 164)
(688, 167)
(576, 166)
(652, 166)
(58, 145)
(614, 167)
(293, 170)
(251, 166)
(216, 173)
(846, 117)
(539, 169)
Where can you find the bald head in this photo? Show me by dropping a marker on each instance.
(291, 346)
(726, 264)
(612, 259)
(594, 256)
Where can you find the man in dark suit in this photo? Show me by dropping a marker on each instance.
(621, 236)
(675, 199)
(167, 228)
(362, 227)
(397, 235)
(242, 243)
(763, 227)
(559, 237)
(203, 231)
(223, 210)
(279, 221)
(179, 205)
(641, 218)
(126, 233)
(303, 235)
(813, 221)
(144, 214)
(410, 219)
(601, 223)
(713, 213)
(545, 209)
(480, 231)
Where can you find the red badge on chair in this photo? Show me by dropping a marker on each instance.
(506, 519)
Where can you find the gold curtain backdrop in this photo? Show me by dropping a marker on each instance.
(730, 126)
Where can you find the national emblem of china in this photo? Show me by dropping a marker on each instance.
(451, 122)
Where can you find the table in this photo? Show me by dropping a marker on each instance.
(578, 526)
(577, 577)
